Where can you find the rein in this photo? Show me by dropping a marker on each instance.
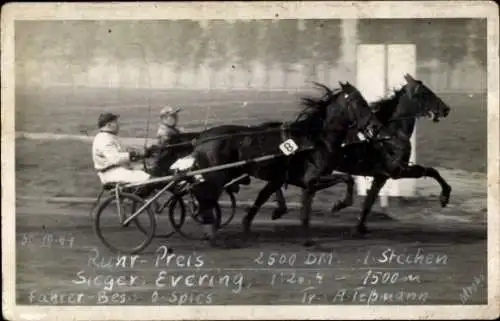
(224, 137)
(284, 128)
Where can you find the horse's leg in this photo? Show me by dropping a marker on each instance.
(281, 204)
(305, 214)
(263, 196)
(418, 171)
(371, 197)
(317, 167)
(308, 194)
(349, 196)
(334, 179)
(325, 182)
(207, 195)
(206, 208)
(322, 183)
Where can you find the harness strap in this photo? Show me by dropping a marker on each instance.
(285, 132)
(103, 170)
(285, 135)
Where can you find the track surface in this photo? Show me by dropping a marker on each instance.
(43, 266)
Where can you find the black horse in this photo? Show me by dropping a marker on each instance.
(319, 131)
(398, 113)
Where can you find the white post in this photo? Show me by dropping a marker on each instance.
(380, 68)
(370, 80)
(401, 60)
(384, 201)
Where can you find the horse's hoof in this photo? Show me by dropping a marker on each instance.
(338, 206)
(245, 224)
(444, 198)
(212, 238)
(444, 201)
(360, 231)
(210, 232)
(213, 242)
(248, 237)
(278, 213)
(308, 243)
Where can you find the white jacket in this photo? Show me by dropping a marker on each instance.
(107, 151)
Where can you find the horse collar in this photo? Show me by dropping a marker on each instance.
(285, 131)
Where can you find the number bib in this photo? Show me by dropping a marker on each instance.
(361, 136)
(288, 147)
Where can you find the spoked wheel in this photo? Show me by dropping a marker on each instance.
(128, 238)
(227, 210)
(189, 226)
(159, 207)
(227, 204)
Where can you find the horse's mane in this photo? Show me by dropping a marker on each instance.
(313, 105)
(310, 102)
(314, 111)
(385, 107)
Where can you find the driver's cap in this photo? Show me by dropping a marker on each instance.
(169, 110)
(105, 118)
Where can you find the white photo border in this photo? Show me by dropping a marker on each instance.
(246, 10)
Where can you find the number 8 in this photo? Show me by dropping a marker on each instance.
(288, 147)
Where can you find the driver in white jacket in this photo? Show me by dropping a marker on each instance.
(111, 161)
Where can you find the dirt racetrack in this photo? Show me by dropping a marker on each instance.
(441, 252)
(57, 268)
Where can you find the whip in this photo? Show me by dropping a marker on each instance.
(207, 114)
(143, 55)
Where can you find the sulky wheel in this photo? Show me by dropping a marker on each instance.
(119, 238)
(159, 208)
(227, 211)
(189, 226)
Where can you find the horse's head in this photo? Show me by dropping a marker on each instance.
(347, 98)
(351, 95)
(359, 113)
(426, 102)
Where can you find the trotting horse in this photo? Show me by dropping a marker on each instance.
(398, 113)
(181, 145)
(319, 130)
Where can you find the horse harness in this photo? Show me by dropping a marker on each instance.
(285, 131)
